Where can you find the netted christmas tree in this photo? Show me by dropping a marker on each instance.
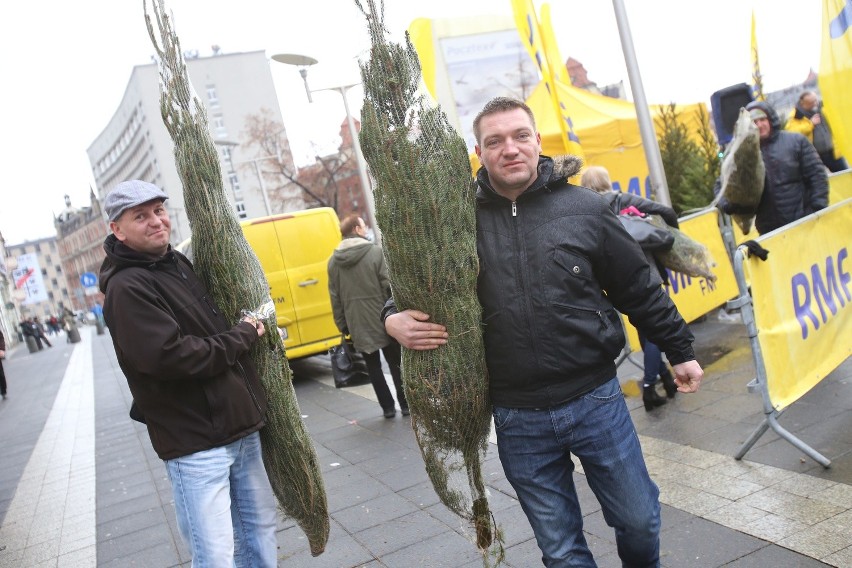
(231, 272)
(425, 208)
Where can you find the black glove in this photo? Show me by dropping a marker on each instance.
(754, 249)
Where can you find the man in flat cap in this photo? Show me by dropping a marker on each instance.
(192, 381)
(796, 182)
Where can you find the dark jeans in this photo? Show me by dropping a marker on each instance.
(652, 361)
(393, 355)
(535, 447)
(2, 380)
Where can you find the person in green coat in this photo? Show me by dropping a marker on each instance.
(358, 284)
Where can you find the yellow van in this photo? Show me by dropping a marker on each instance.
(293, 249)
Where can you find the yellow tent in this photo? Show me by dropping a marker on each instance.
(608, 131)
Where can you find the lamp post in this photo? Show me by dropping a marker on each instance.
(303, 62)
(646, 125)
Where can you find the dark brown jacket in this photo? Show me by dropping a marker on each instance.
(188, 370)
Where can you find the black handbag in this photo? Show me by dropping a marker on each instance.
(347, 365)
(650, 236)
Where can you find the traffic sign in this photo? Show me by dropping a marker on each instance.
(88, 279)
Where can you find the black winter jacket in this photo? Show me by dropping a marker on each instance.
(188, 370)
(555, 265)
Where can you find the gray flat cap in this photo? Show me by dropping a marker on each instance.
(129, 194)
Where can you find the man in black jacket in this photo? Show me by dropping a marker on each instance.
(555, 265)
(192, 382)
(796, 182)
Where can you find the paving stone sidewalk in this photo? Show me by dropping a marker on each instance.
(774, 508)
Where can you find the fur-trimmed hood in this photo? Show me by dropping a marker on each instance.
(551, 172)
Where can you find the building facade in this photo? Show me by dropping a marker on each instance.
(136, 145)
(8, 309)
(38, 279)
(334, 179)
(80, 235)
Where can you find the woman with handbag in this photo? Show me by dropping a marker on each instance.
(597, 179)
(358, 284)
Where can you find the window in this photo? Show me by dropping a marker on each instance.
(227, 157)
(241, 209)
(44, 271)
(55, 282)
(47, 259)
(219, 125)
(235, 183)
(212, 96)
(58, 269)
(50, 296)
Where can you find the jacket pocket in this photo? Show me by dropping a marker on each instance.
(567, 279)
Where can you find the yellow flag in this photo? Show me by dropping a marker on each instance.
(756, 77)
(835, 72)
(531, 36)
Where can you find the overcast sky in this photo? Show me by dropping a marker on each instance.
(65, 66)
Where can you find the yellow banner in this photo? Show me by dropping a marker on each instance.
(835, 72)
(839, 186)
(803, 301)
(532, 38)
(695, 297)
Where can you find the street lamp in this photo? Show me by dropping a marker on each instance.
(303, 62)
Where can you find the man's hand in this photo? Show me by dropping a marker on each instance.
(413, 330)
(256, 323)
(688, 376)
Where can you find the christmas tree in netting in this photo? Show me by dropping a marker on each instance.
(425, 208)
(232, 274)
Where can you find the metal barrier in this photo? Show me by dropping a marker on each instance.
(759, 383)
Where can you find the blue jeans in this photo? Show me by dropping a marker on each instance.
(652, 360)
(535, 447)
(225, 507)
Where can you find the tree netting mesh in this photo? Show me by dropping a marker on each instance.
(229, 268)
(425, 208)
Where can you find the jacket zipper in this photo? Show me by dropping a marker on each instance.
(523, 277)
(251, 391)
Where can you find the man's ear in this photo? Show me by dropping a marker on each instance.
(116, 230)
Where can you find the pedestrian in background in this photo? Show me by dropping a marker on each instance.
(28, 331)
(554, 266)
(597, 178)
(38, 329)
(192, 381)
(796, 183)
(359, 286)
(807, 119)
(2, 371)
